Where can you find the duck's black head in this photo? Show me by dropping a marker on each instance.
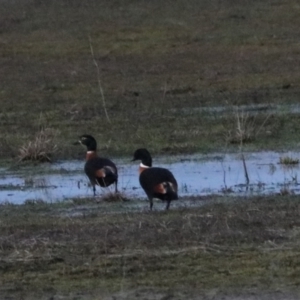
(88, 141)
(143, 155)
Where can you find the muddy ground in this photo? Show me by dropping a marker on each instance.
(221, 250)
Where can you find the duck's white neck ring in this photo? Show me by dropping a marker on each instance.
(143, 166)
(89, 152)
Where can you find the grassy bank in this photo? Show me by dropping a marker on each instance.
(226, 247)
(154, 59)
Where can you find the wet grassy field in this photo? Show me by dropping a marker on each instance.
(225, 247)
(153, 61)
(138, 74)
(234, 248)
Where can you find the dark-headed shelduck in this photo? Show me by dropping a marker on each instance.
(100, 171)
(156, 182)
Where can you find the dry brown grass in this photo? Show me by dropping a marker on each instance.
(41, 148)
(243, 130)
(245, 127)
(114, 197)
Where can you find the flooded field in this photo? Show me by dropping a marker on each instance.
(196, 175)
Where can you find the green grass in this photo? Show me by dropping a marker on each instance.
(288, 160)
(155, 59)
(226, 247)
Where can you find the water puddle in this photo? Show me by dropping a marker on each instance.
(196, 175)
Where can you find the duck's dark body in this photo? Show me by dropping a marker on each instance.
(159, 183)
(100, 171)
(156, 182)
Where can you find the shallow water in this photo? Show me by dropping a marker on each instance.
(196, 175)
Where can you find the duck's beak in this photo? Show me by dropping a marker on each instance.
(77, 143)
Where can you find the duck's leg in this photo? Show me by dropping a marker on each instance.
(151, 202)
(94, 190)
(168, 204)
(116, 186)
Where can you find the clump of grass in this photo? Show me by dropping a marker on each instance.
(114, 197)
(41, 148)
(29, 181)
(35, 202)
(246, 128)
(107, 197)
(288, 160)
(285, 190)
(6, 203)
(82, 201)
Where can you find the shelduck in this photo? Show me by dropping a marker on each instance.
(156, 182)
(100, 171)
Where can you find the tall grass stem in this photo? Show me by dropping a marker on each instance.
(99, 80)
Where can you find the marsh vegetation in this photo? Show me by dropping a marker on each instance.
(177, 77)
(154, 61)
